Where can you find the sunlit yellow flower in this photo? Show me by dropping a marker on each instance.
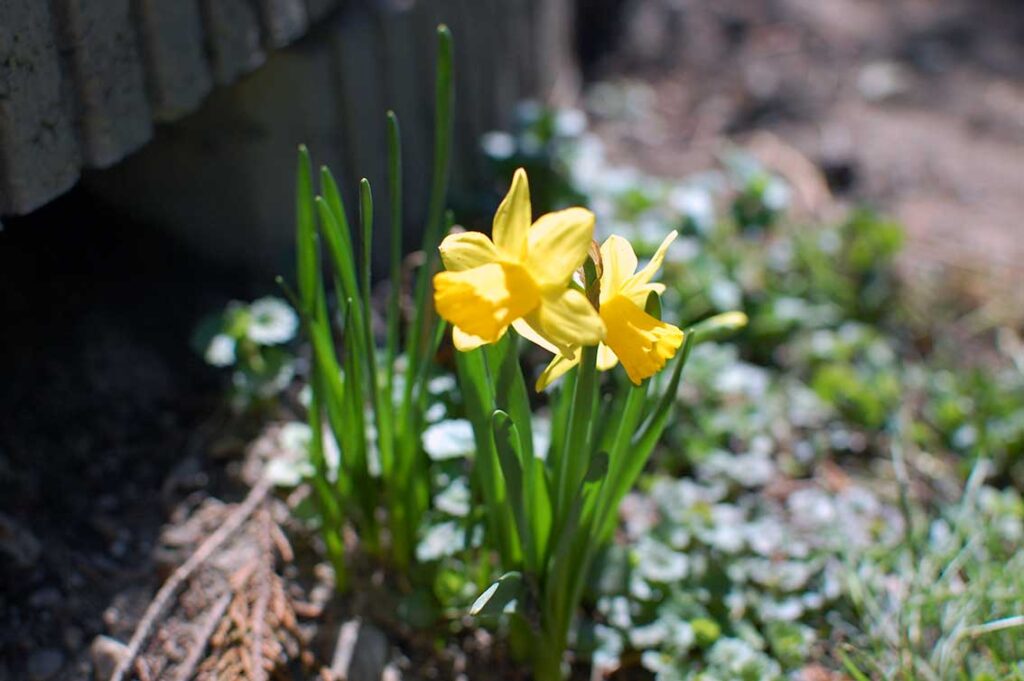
(522, 277)
(641, 342)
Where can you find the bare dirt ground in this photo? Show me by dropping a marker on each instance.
(914, 106)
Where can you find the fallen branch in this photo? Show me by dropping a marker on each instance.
(187, 670)
(163, 597)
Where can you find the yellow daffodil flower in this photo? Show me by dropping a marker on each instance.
(641, 342)
(520, 278)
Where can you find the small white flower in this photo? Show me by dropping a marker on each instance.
(684, 249)
(498, 145)
(273, 321)
(788, 610)
(609, 648)
(541, 436)
(292, 465)
(455, 499)
(570, 123)
(295, 437)
(790, 309)
(696, 204)
(444, 539)
(442, 384)
(777, 194)
(742, 379)
(650, 635)
(529, 111)
(616, 610)
(221, 351)
(658, 563)
(449, 440)
(657, 662)
(812, 507)
(434, 413)
(285, 472)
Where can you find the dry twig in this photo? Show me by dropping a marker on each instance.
(163, 597)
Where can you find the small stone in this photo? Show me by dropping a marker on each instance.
(883, 80)
(44, 664)
(362, 652)
(106, 654)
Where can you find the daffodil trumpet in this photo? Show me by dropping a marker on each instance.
(641, 342)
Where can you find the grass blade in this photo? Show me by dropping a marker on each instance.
(394, 312)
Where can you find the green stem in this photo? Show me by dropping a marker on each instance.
(547, 659)
(572, 465)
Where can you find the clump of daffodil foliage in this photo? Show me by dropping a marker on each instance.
(769, 558)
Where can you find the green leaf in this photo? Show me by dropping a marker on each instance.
(510, 455)
(444, 102)
(719, 327)
(598, 467)
(478, 395)
(496, 599)
(307, 254)
(394, 312)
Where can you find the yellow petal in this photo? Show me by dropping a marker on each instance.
(529, 333)
(639, 294)
(606, 358)
(483, 301)
(467, 250)
(512, 221)
(558, 245)
(642, 277)
(642, 343)
(619, 262)
(464, 342)
(567, 319)
(556, 369)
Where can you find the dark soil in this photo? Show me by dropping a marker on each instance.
(100, 400)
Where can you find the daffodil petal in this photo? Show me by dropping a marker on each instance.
(606, 358)
(483, 301)
(464, 342)
(460, 252)
(566, 319)
(524, 329)
(642, 277)
(558, 244)
(511, 225)
(556, 369)
(639, 294)
(618, 262)
(642, 343)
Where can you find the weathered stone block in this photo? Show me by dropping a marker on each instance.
(233, 38)
(173, 45)
(103, 49)
(39, 153)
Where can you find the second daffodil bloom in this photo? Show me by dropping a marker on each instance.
(640, 341)
(520, 278)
